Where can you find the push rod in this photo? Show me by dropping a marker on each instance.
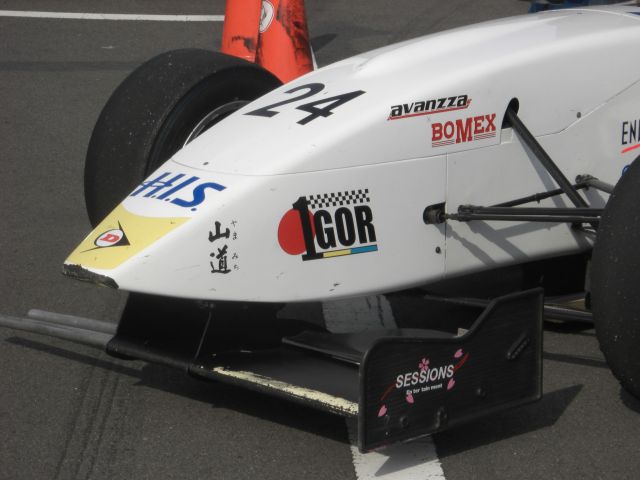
(546, 161)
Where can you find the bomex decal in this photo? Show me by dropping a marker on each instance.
(329, 225)
(470, 129)
(165, 187)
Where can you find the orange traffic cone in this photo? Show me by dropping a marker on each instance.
(282, 35)
(240, 29)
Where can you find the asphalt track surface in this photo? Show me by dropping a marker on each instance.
(71, 412)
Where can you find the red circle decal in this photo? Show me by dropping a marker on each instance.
(290, 234)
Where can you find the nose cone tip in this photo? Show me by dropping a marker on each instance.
(78, 272)
(119, 237)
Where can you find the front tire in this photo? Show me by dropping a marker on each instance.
(155, 111)
(615, 281)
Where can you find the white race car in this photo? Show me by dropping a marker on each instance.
(464, 151)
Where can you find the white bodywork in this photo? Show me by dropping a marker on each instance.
(225, 234)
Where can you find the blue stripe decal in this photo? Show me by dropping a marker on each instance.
(370, 248)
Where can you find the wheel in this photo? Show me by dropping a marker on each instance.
(615, 277)
(155, 111)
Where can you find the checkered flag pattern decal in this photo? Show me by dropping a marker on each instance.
(325, 200)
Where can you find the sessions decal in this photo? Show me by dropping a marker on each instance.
(429, 107)
(426, 379)
(329, 225)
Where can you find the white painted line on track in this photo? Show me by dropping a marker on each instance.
(113, 16)
(415, 460)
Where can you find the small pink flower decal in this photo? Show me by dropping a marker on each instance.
(383, 411)
(410, 398)
(451, 384)
(424, 364)
(458, 354)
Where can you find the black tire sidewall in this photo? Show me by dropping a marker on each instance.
(150, 114)
(615, 278)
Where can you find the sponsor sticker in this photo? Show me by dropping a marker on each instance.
(329, 225)
(266, 16)
(429, 107)
(426, 378)
(224, 258)
(112, 238)
(470, 129)
(108, 245)
(630, 135)
(178, 189)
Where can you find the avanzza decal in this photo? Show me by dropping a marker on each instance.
(429, 107)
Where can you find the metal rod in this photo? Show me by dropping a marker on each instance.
(78, 335)
(537, 197)
(73, 321)
(553, 312)
(595, 183)
(583, 212)
(545, 159)
(466, 217)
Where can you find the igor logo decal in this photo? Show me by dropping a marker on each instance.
(329, 225)
(166, 187)
(469, 129)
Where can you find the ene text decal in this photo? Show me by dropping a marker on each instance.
(630, 135)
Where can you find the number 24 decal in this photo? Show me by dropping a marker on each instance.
(315, 109)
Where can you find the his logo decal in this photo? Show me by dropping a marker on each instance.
(165, 187)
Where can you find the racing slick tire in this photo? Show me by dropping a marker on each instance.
(615, 277)
(155, 111)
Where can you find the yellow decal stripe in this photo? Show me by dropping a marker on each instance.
(106, 248)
